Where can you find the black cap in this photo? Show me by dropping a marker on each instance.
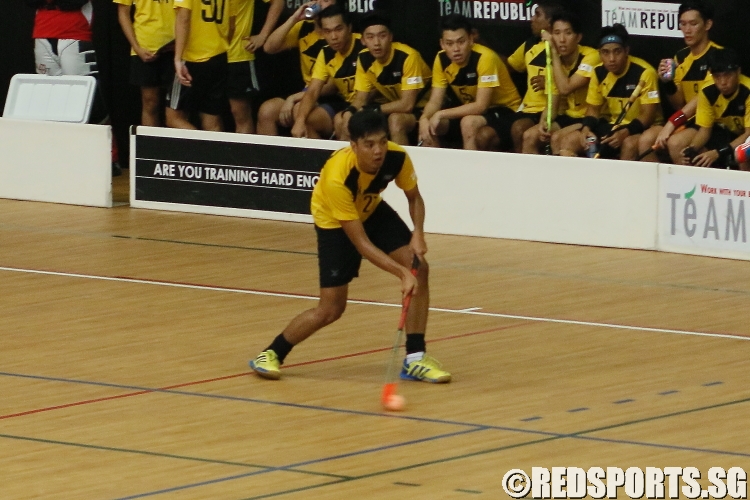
(724, 60)
(375, 18)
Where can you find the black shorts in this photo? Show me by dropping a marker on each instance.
(339, 260)
(208, 92)
(566, 121)
(501, 120)
(720, 137)
(520, 115)
(158, 73)
(242, 80)
(333, 104)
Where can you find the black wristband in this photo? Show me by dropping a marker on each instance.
(372, 107)
(670, 88)
(635, 127)
(590, 122)
(726, 154)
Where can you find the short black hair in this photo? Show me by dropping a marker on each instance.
(706, 12)
(617, 30)
(570, 18)
(456, 22)
(333, 11)
(724, 61)
(550, 7)
(366, 122)
(375, 18)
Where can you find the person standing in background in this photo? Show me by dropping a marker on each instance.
(202, 37)
(242, 83)
(151, 36)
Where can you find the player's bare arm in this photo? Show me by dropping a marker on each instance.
(306, 106)
(355, 231)
(181, 34)
(417, 212)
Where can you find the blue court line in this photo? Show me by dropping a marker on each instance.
(474, 428)
(275, 403)
(304, 463)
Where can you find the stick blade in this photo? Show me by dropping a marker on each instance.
(389, 390)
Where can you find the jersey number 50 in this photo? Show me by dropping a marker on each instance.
(215, 11)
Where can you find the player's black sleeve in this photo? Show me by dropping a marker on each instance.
(70, 5)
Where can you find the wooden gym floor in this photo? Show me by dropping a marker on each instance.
(126, 335)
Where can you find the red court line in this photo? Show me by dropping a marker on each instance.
(236, 375)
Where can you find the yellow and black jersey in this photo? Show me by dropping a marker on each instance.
(242, 25)
(153, 23)
(404, 70)
(345, 193)
(342, 68)
(692, 72)
(531, 58)
(484, 69)
(731, 113)
(303, 36)
(574, 105)
(209, 27)
(614, 91)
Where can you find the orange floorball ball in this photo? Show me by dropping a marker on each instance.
(395, 403)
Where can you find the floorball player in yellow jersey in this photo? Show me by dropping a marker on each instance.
(352, 221)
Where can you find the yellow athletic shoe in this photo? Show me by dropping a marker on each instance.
(427, 369)
(267, 365)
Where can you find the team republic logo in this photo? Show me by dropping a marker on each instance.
(490, 10)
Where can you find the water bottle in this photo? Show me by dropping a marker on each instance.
(312, 10)
(592, 146)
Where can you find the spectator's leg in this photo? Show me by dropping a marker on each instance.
(400, 125)
(647, 140)
(178, 119)
(470, 126)
(268, 116)
(150, 100)
(531, 141)
(570, 144)
(320, 125)
(211, 122)
(243, 116)
(559, 136)
(629, 149)
(678, 142)
(516, 131)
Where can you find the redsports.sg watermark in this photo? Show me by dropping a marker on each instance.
(598, 482)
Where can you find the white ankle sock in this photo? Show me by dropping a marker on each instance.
(415, 356)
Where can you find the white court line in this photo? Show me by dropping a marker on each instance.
(471, 311)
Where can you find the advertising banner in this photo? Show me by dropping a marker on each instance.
(643, 18)
(274, 179)
(704, 211)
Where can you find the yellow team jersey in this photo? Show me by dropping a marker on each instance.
(303, 36)
(153, 23)
(692, 72)
(731, 113)
(531, 58)
(342, 68)
(209, 28)
(345, 193)
(404, 70)
(574, 104)
(484, 69)
(614, 91)
(242, 25)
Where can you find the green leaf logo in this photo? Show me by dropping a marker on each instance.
(690, 194)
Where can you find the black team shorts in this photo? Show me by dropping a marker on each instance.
(338, 258)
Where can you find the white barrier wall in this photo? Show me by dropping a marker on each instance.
(56, 162)
(539, 198)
